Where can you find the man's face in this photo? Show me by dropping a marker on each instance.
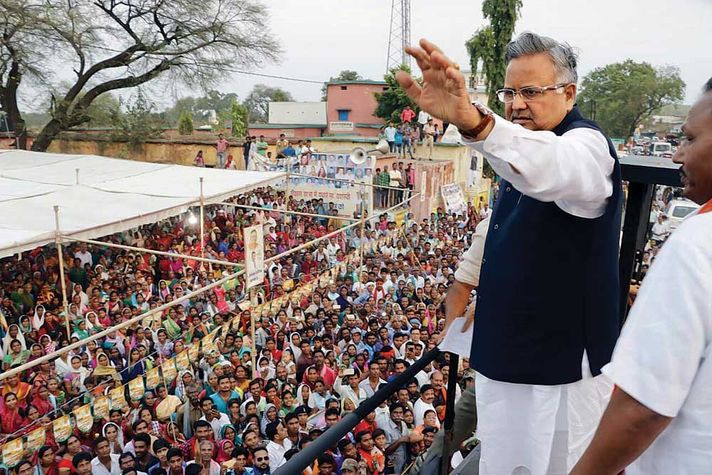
(202, 433)
(428, 396)
(206, 451)
(548, 109)
(224, 385)
(141, 448)
(366, 442)
(161, 454)
(84, 467)
(293, 426)
(261, 459)
(176, 464)
(127, 463)
(437, 380)
(695, 152)
(102, 449)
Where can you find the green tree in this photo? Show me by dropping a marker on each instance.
(112, 45)
(239, 119)
(489, 45)
(185, 123)
(345, 75)
(394, 99)
(257, 102)
(138, 124)
(621, 95)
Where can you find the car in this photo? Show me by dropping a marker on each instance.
(660, 149)
(678, 209)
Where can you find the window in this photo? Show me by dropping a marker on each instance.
(343, 114)
(343, 88)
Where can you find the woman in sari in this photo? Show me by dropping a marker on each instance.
(225, 448)
(43, 400)
(74, 379)
(48, 346)
(45, 462)
(16, 356)
(13, 333)
(270, 414)
(173, 329)
(115, 436)
(135, 367)
(103, 368)
(10, 418)
(92, 323)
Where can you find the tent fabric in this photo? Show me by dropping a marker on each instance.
(98, 196)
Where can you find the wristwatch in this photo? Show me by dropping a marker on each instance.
(487, 117)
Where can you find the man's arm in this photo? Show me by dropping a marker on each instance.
(626, 430)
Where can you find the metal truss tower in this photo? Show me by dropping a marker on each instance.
(399, 36)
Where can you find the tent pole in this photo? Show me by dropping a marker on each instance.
(287, 218)
(255, 373)
(202, 220)
(363, 228)
(60, 255)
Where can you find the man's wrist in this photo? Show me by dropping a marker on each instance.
(472, 119)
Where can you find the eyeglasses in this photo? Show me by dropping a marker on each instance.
(261, 459)
(528, 94)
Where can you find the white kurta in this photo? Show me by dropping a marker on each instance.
(531, 429)
(663, 357)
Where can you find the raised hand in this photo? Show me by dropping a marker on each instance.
(443, 93)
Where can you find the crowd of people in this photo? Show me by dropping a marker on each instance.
(105, 408)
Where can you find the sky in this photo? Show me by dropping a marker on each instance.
(319, 38)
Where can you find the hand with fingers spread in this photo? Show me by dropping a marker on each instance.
(443, 93)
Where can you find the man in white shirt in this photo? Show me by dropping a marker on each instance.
(84, 255)
(278, 443)
(558, 165)
(659, 419)
(215, 418)
(661, 229)
(352, 391)
(390, 134)
(105, 463)
(423, 404)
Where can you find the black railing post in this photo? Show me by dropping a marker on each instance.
(334, 434)
(449, 423)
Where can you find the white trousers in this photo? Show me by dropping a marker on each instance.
(537, 430)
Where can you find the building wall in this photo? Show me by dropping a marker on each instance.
(359, 99)
(273, 131)
(297, 113)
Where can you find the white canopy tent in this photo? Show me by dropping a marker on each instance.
(98, 196)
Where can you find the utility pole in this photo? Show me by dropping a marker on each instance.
(399, 36)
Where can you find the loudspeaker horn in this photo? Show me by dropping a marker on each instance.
(359, 155)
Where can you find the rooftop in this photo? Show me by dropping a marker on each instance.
(359, 81)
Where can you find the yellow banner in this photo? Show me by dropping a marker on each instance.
(136, 389)
(193, 351)
(183, 360)
(169, 370)
(12, 452)
(101, 407)
(62, 428)
(118, 399)
(153, 377)
(83, 417)
(35, 439)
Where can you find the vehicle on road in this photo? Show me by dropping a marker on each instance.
(678, 209)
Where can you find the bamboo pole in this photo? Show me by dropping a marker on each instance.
(202, 220)
(60, 256)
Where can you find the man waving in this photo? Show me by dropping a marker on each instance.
(547, 300)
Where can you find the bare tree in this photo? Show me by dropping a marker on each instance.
(119, 44)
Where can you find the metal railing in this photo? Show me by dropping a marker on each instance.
(330, 438)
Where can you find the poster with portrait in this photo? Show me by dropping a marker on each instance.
(168, 368)
(35, 439)
(12, 452)
(153, 377)
(62, 428)
(118, 398)
(101, 407)
(83, 418)
(254, 256)
(345, 195)
(454, 199)
(136, 389)
(182, 360)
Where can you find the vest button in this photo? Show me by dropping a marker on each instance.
(496, 226)
(508, 189)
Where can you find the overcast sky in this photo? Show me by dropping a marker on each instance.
(322, 37)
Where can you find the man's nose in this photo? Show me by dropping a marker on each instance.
(518, 103)
(679, 156)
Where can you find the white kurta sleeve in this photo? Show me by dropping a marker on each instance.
(668, 332)
(468, 271)
(573, 170)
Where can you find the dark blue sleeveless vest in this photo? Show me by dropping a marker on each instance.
(548, 286)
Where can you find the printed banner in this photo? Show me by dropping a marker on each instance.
(136, 389)
(35, 439)
(193, 351)
(101, 407)
(12, 452)
(153, 378)
(168, 368)
(83, 418)
(62, 428)
(183, 360)
(118, 398)
(254, 255)
(345, 196)
(454, 199)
